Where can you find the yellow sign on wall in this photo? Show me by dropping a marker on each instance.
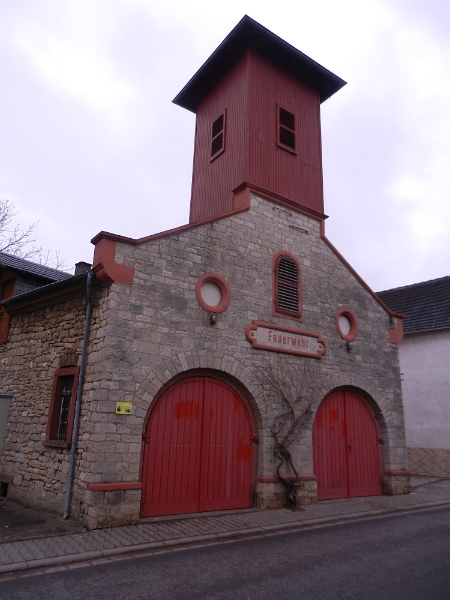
(123, 408)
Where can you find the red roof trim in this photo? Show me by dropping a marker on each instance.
(264, 194)
(149, 238)
(361, 281)
(282, 201)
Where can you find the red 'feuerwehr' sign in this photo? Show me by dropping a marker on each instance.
(267, 336)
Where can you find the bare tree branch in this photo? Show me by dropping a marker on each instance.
(13, 238)
(20, 242)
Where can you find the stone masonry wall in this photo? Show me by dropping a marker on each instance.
(143, 335)
(28, 362)
(156, 329)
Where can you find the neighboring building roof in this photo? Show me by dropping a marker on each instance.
(46, 295)
(426, 305)
(26, 266)
(250, 34)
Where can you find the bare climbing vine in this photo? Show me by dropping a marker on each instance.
(291, 385)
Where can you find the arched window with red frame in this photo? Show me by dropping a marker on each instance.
(286, 288)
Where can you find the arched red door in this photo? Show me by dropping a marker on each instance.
(197, 450)
(346, 451)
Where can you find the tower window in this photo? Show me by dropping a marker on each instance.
(287, 286)
(218, 136)
(286, 129)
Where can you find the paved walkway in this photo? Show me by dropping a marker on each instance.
(34, 551)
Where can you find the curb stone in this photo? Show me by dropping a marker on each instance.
(92, 556)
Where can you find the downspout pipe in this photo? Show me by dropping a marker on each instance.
(76, 422)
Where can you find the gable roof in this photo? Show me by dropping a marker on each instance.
(31, 268)
(426, 305)
(250, 34)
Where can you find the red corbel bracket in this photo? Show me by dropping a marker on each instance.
(105, 267)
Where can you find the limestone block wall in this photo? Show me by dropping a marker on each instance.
(156, 329)
(36, 342)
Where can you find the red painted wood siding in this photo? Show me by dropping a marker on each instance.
(297, 177)
(214, 181)
(249, 94)
(198, 450)
(346, 451)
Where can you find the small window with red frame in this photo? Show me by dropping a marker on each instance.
(62, 408)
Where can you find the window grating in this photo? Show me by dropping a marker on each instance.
(66, 395)
(62, 407)
(287, 119)
(217, 144)
(287, 138)
(286, 128)
(217, 126)
(217, 135)
(287, 286)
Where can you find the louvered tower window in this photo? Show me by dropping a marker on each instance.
(218, 136)
(287, 286)
(286, 129)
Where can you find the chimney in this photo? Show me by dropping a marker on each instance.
(82, 267)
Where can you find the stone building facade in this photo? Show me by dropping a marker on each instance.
(45, 332)
(202, 355)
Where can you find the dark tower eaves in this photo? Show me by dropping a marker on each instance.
(250, 34)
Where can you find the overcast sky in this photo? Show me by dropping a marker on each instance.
(90, 140)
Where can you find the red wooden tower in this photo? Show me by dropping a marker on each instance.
(257, 101)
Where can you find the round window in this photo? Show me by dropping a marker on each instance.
(346, 324)
(213, 292)
(210, 293)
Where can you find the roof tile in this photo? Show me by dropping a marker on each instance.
(426, 305)
(26, 266)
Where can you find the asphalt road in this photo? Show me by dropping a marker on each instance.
(403, 557)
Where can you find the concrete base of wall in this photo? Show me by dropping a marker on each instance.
(396, 484)
(38, 499)
(111, 508)
(429, 461)
(273, 494)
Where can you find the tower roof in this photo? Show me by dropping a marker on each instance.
(250, 34)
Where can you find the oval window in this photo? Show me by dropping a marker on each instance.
(346, 324)
(210, 293)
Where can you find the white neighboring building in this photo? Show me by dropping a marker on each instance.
(424, 356)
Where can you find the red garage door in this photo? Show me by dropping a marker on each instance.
(198, 450)
(346, 451)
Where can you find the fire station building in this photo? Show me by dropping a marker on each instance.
(236, 361)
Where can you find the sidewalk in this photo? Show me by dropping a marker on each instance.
(38, 541)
